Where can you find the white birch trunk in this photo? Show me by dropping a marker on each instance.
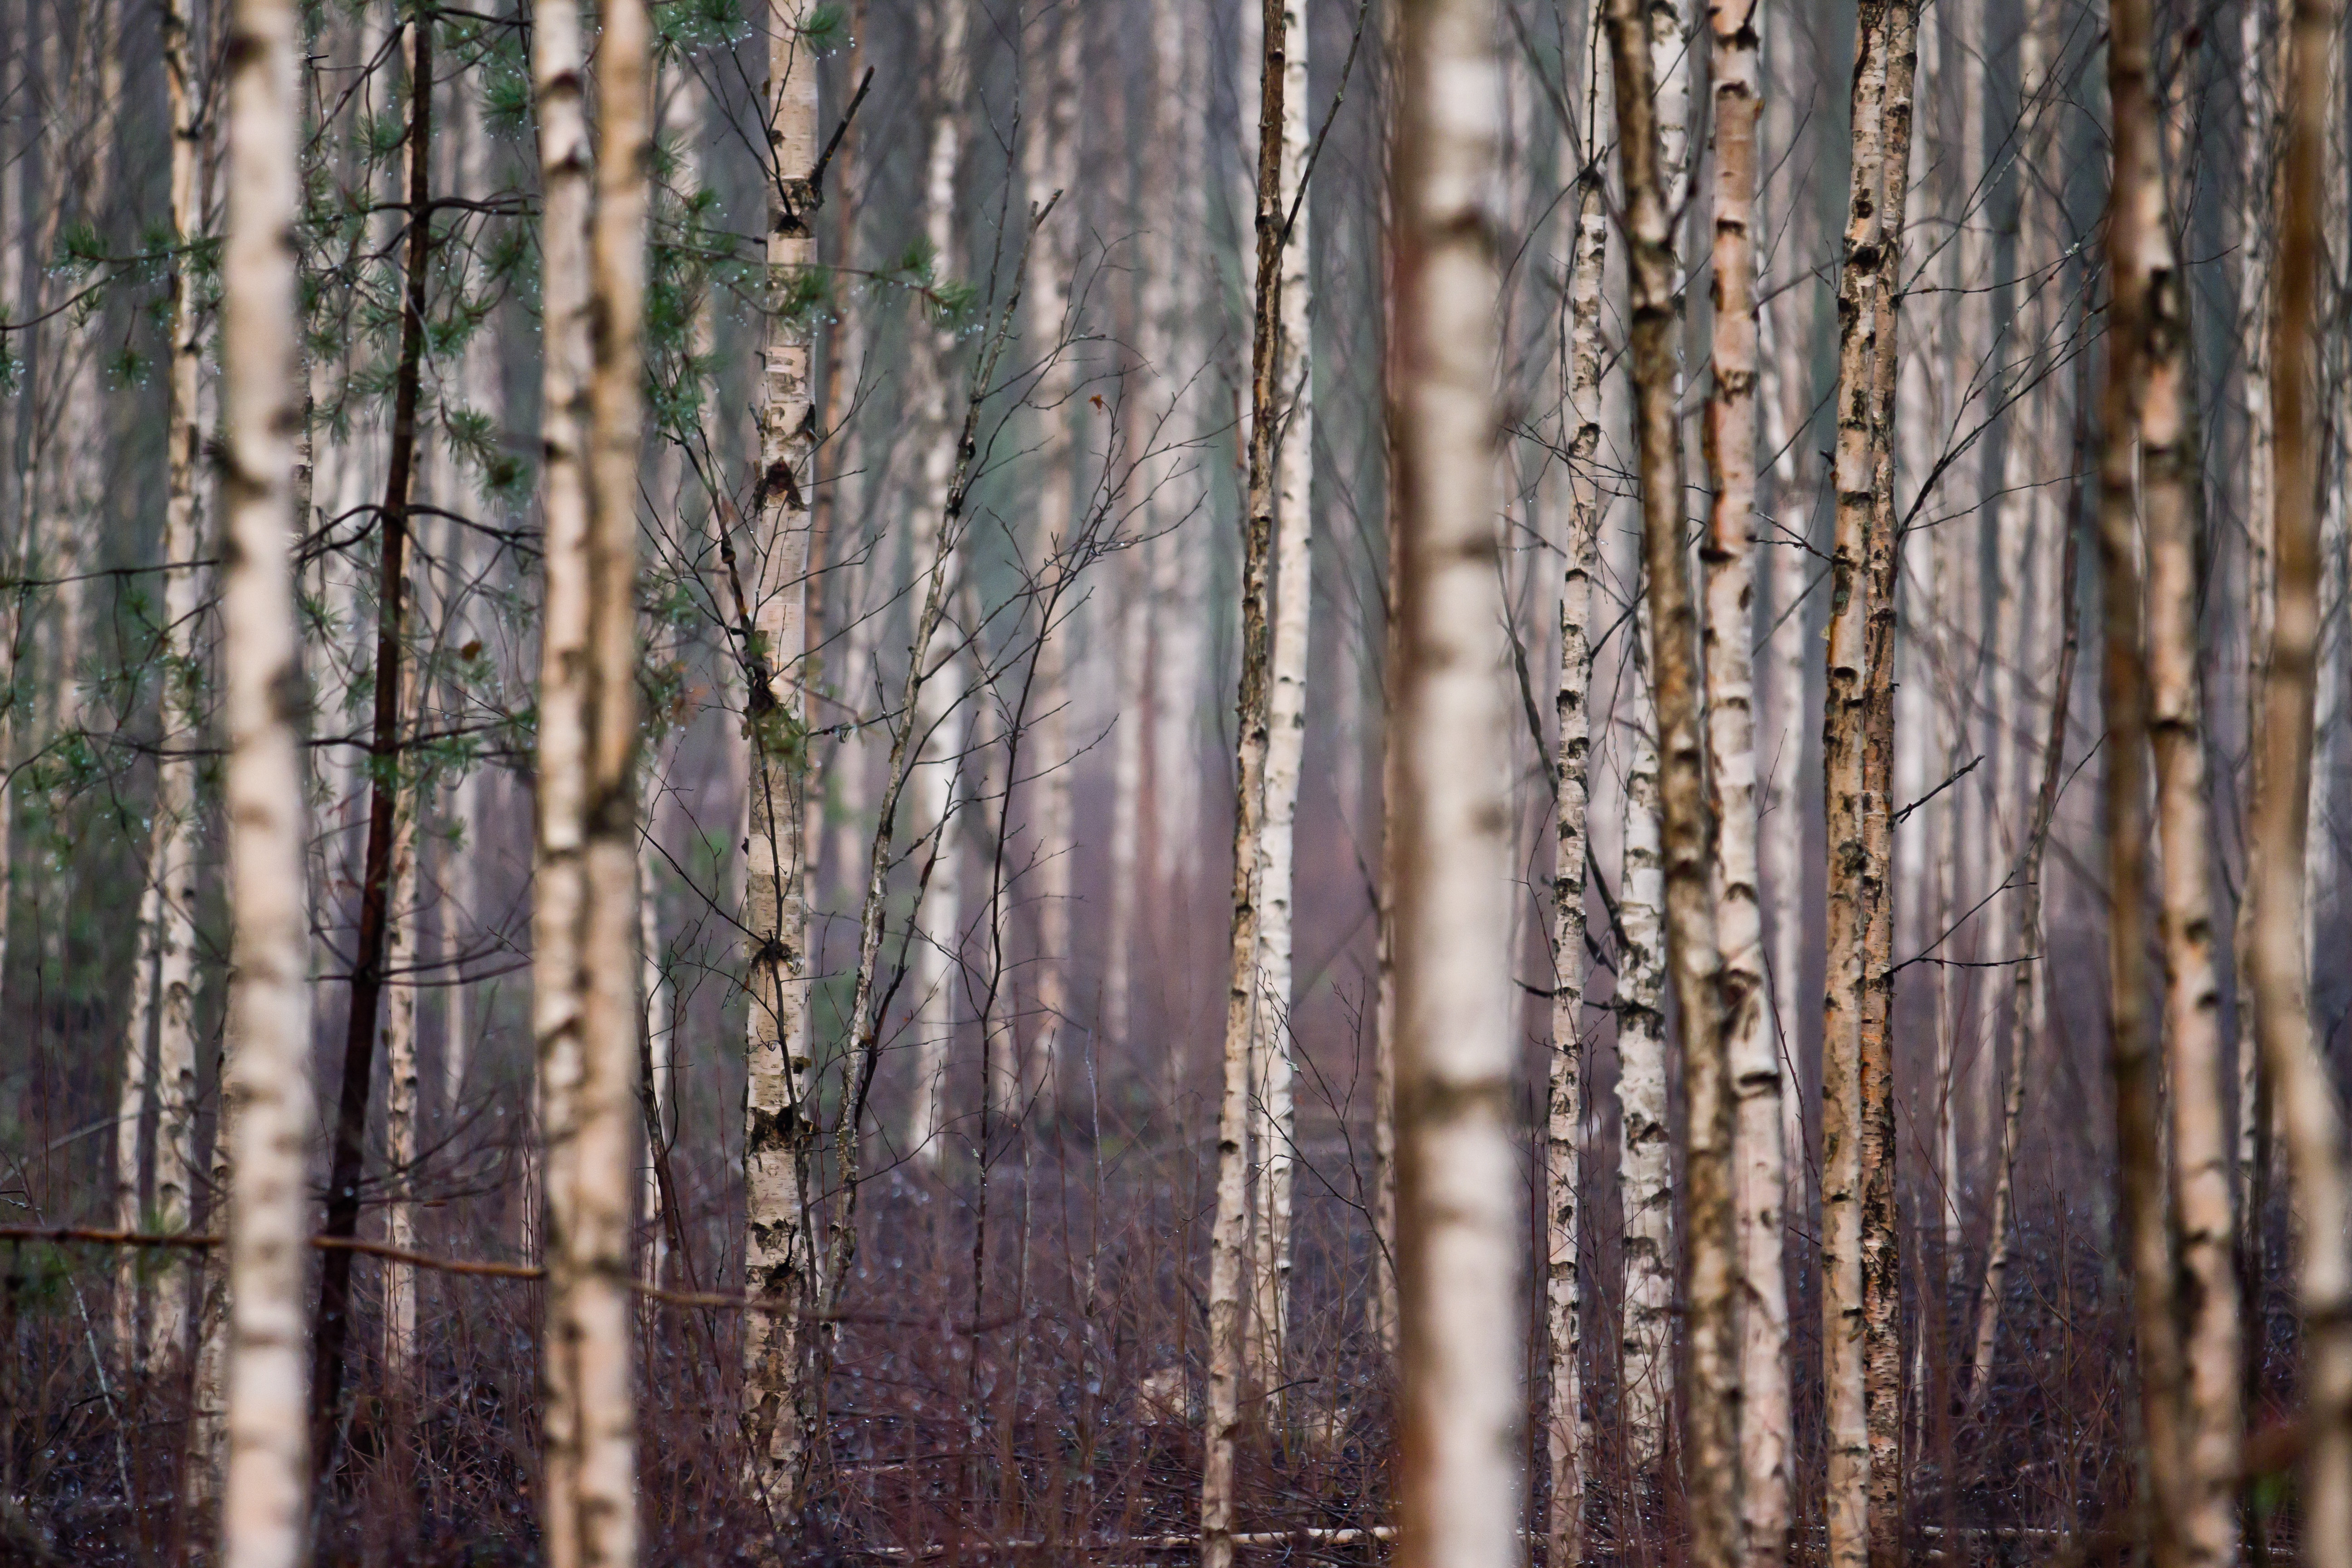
(1052, 166)
(2251, 215)
(265, 1511)
(170, 921)
(653, 990)
(1273, 1039)
(1647, 144)
(939, 912)
(2293, 1065)
(2327, 700)
(399, 1104)
(1781, 825)
(1461, 1233)
(1758, 1154)
(1381, 1310)
(1176, 337)
(1645, 1152)
(81, 165)
(1129, 743)
(457, 929)
(1568, 1441)
(1647, 1135)
(780, 1115)
(939, 909)
(93, 430)
(461, 807)
(1161, 659)
(584, 1011)
(1862, 321)
(1227, 1301)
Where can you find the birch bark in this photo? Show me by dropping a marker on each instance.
(1758, 1179)
(1381, 1311)
(1461, 1233)
(939, 909)
(1862, 308)
(163, 995)
(266, 1064)
(1130, 746)
(400, 1143)
(1646, 1156)
(1881, 1222)
(461, 807)
(1228, 1259)
(560, 892)
(2293, 1067)
(1052, 166)
(1646, 1371)
(2138, 257)
(654, 995)
(1273, 1038)
(81, 169)
(1568, 1440)
(1780, 827)
(172, 868)
(780, 1125)
(584, 923)
(2252, 214)
(2201, 1293)
(1647, 152)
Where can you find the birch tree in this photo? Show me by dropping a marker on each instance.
(1750, 1052)
(265, 1510)
(1050, 165)
(780, 1115)
(2305, 1102)
(2138, 257)
(1645, 151)
(1461, 1233)
(1881, 1220)
(1143, 731)
(164, 982)
(401, 1087)
(1862, 319)
(585, 920)
(942, 720)
(1228, 1259)
(2252, 214)
(1567, 1442)
(2201, 1294)
(1646, 1160)
(1271, 1037)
